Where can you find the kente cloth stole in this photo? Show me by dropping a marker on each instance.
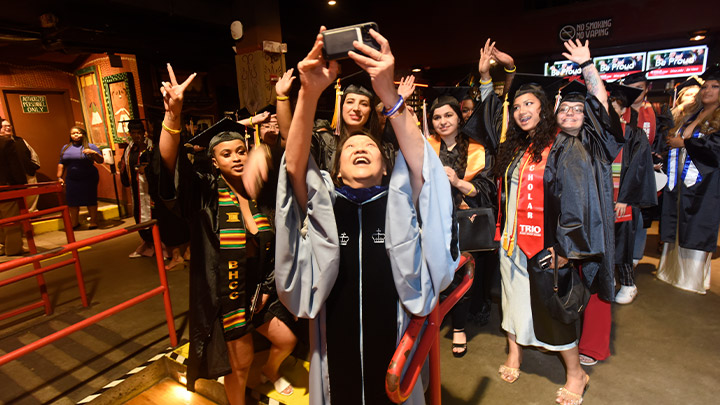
(233, 256)
(530, 207)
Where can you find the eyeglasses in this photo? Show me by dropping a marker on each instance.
(575, 109)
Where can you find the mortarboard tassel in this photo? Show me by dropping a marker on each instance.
(503, 131)
(336, 110)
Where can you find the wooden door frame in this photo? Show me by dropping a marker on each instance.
(68, 102)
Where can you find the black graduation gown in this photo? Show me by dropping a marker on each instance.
(361, 332)
(602, 136)
(635, 189)
(572, 225)
(198, 199)
(694, 210)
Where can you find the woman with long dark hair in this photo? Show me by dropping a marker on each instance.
(77, 160)
(550, 218)
(468, 168)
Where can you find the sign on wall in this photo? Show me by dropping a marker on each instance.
(614, 67)
(562, 68)
(34, 104)
(595, 29)
(677, 62)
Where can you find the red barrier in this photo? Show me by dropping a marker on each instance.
(25, 218)
(162, 289)
(399, 389)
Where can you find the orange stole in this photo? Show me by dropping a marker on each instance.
(475, 157)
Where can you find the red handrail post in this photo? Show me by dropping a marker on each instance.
(435, 392)
(70, 236)
(163, 282)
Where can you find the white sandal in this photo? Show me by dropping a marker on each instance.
(280, 385)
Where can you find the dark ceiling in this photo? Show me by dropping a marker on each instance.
(442, 36)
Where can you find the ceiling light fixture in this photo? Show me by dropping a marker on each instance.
(698, 35)
(332, 2)
(416, 70)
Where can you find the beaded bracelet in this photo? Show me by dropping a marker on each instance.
(586, 64)
(396, 107)
(170, 130)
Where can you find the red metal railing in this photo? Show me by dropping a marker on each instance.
(399, 389)
(18, 193)
(162, 289)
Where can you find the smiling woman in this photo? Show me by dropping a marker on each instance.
(352, 271)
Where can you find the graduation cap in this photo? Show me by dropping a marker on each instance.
(224, 130)
(131, 124)
(354, 83)
(712, 73)
(625, 95)
(634, 78)
(575, 91)
(524, 81)
(691, 81)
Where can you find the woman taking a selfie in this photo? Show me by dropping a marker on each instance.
(357, 270)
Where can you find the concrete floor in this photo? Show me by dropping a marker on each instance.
(664, 345)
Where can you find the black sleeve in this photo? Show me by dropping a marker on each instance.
(485, 187)
(579, 232)
(705, 152)
(637, 185)
(14, 173)
(603, 134)
(485, 123)
(663, 124)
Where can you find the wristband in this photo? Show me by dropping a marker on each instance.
(395, 108)
(282, 98)
(482, 82)
(586, 64)
(251, 124)
(472, 188)
(169, 130)
(514, 68)
(397, 113)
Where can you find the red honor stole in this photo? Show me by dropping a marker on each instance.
(646, 120)
(530, 209)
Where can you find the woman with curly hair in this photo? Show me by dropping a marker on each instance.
(690, 219)
(550, 218)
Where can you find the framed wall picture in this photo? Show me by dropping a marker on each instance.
(93, 106)
(120, 103)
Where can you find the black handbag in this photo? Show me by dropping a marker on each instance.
(476, 230)
(562, 291)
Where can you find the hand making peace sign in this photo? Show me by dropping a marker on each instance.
(173, 93)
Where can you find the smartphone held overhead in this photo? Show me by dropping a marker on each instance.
(337, 42)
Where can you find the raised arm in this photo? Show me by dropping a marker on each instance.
(284, 113)
(486, 55)
(580, 54)
(173, 99)
(380, 65)
(508, 64)
(315, 75)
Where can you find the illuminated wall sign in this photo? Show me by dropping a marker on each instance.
(562, 68)
(614, 67)
(677, 62)
(662, 64)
